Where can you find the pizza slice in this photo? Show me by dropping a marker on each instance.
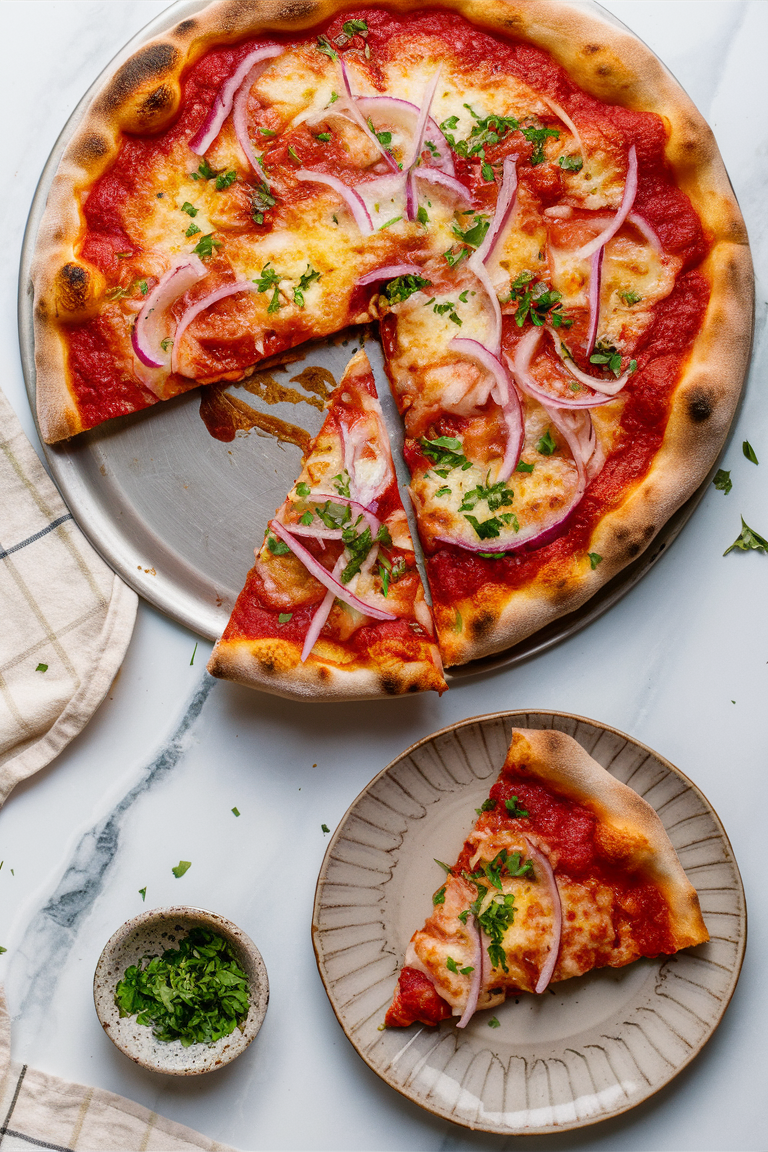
(334, 607)
(565, 871)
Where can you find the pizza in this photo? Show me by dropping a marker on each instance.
(334, 605)
(567, 870)
(517, 194)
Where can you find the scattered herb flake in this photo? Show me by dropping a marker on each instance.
(182, 867)
(538, 137)
(722, 481)
(523, 467)
(446, 867)
(325, 828)
(389, 223)
(546, 446)
(276, 547)
(570, 163)
(235, 811)
(284, 617)
(323, 137)
(594, 559)
(41, 668)
(194, 650)
(193, 230)
(749, 452)
(293, 156)
(439, 896)
(422, 216)
(402, 287)
(630, 297)
(350, 27)
(3, 949)
(493, 1023)
(305, 280)
(324, 45)
(747, 539)
(303, 489)
(143, 893)
(189, 208)
(205, 245)
(513, 808)
(486, 806)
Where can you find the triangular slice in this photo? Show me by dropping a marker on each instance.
(334, 607)
(566, 870)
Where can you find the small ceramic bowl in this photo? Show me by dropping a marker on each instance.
(150, 934)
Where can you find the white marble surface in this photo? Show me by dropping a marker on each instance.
(680, 664)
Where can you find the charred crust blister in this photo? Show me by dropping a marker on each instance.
(155, 62)
(700, 407)
(482, 624)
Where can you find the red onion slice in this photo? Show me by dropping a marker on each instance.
(360, 118)
(608, 388)
(150, 329)
(505, 205)
(389, 272)
(647, 231)
(507, 400)
(444, 180)
(325, 577)
(521, 370)
(222, 105)
(240, 109)
(595, 279)
(200, 306)
(372, 521)
(476, 976)
(627, 200)
(405, 115)
(322, 613)
(354, 202)
(479, 270)
(418, 144)
(563, 115)
(557, 915)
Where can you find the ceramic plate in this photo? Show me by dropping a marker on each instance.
(177, 513)
(590, 1048)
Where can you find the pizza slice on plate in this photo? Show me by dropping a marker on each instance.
(334, 606)
(566, 870)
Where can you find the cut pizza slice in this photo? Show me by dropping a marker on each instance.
(565, 871)
(334, 607)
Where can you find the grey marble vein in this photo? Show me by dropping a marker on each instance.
(53, 930)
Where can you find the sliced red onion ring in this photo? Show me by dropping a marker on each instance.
(563, 115)
(222, 105)
(405, 115)
(595, 278)
(508, 400)
(322, 613)
(648, 232)
(608, 388)
(354, 202)
(200, 306)
(372, 484)
(627, 200)
(389, 272)
(372, 521)
(325, 577)
(418, 144)
(149, 329)
(543, 863)
(521, 370)
(480, 271)
(360, 119)
(444, 180)
(476, 976)
(240, 109)
(505, 205)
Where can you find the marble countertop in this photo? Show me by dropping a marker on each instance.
(681, 664)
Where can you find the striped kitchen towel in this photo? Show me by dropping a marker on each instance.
(42, 1111)
(65, 617)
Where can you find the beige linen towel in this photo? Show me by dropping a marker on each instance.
(65, 617)
(42, 1111)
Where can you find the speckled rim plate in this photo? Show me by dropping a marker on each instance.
(148, 490)
(588, 1049)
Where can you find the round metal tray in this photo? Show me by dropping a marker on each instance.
(177, 513)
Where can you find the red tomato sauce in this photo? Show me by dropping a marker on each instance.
(416, 1000)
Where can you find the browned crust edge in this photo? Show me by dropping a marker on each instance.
(562, 764)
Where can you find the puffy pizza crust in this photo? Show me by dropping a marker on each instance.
(609, 63)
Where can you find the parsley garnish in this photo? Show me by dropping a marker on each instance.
(350, 27)
(390, 573)
(452, 966)
(325, 829)
(537, 303)
(342, 482)
(607, 354)
(334, 515)
(749, 452)
(486, 806)
(474, 235)
(3, 949)
(402, 287)
(722, 481)
(204, 171)
(182, 867)
(303, 489)
(458, 623)
(455, 258)
(41, 668)
(630, 297)
(235, 811)
(389, 223)
(267, 132)
(224, 179)
(195, 993)
(276, 547)
(447, 307)
(570, 163)
(306, 519)
(422, 215)
(261, 200)
(444, 491)
(748, 539)
(268, 278)
(496, 495)
(194, 653)
(304, 282)
(324, 45)
(446, 453)
(493, 1023)
(523, 467)
(293, 156)
(323, 137)
(546, 445)
(439, 896)
(192, 230)
(487, 131)
(513, 808)
(594, 559)
(538, 137)
(446, 867)
(284, 617)
(166, 343)
(205, 245)
(486, 529)
(358, 547)
(143, 893)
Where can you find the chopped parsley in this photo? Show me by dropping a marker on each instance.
(458, 624)
(493, 1023)
(570, 163)
(41, 668)
(452, 966)
(486, 529)
(306, 519)
(390, 573)
(342, 481)
(303, 490)
(266, 280)
(204, 171)
(194, 653)
(538, 137)
(546, 446)
(536, 302)
(523, 467)
(446, 307)
(486, 806)
(304, 282)
(402, 287)
(195, 993)
(324, 45)
(487, 131)
(350, 27)
(182, 867)
(422, 215)
(267, 132)
(261, 200)
(749, 452)
(594, 559)
(474, 235)
(389, 223)
(193, 230)
(323, 137)
(224, 179)
(454, 258)
(166, 343)
(325, 829)
(513, 808)
(496, 496)
(205, 245)
(747, 539)
(143, 893)
(284, 617)
(630, 297)
(276, 547)
(439, 896)
(189, 208)
(235, 811)
(444, 491)
(446, 867)
(293, 156)
(494, 921)
(445, 452)
(722, 481)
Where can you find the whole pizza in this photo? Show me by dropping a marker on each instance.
(520, 197)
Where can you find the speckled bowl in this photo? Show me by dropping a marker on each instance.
(149, 935)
